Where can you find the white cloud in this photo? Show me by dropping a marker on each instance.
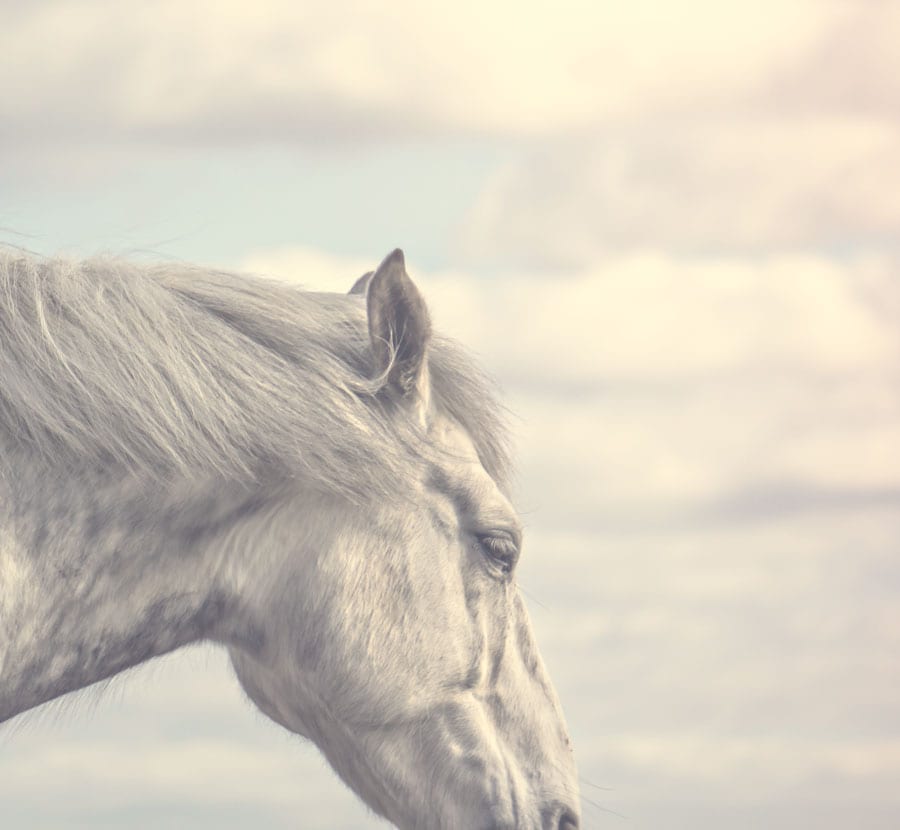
(708, 185)
(803, 157)
(280, 69)
(731, 659)
(854, 68)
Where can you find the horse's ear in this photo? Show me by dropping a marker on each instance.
(359, 287)
(399, 326)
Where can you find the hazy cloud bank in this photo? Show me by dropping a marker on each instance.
(728, 185)
(221, 72)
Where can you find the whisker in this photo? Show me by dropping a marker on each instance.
(596, 786)
(534, 599)
(604, 809)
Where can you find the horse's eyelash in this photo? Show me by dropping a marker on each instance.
(499, 544)
(501, 548)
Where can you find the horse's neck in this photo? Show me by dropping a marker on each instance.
(97, 577)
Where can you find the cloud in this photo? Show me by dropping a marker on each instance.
(727, 660)
(801, 158)
(853, 69)
(743, 184)
(318, 72)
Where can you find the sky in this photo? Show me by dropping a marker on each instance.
(670, 230)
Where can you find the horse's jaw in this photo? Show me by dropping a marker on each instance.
(400, 770)
(441, 769)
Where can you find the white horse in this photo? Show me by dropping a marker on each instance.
(314, 481)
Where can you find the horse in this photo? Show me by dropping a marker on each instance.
(317, 482)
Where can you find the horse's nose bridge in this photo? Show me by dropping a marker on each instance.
(537, 749)
(532, 717)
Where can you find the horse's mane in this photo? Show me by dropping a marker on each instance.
(172, 371)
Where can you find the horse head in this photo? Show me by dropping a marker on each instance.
(391, 632)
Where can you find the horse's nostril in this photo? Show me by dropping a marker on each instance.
(568, 822)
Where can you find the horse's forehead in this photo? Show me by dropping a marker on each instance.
(456, 467)
(460, 475)
(459, 456)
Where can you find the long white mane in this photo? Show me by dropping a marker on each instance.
(171, 370)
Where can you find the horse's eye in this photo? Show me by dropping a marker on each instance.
(501, 550)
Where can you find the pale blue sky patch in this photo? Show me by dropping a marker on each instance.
(215, 204)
